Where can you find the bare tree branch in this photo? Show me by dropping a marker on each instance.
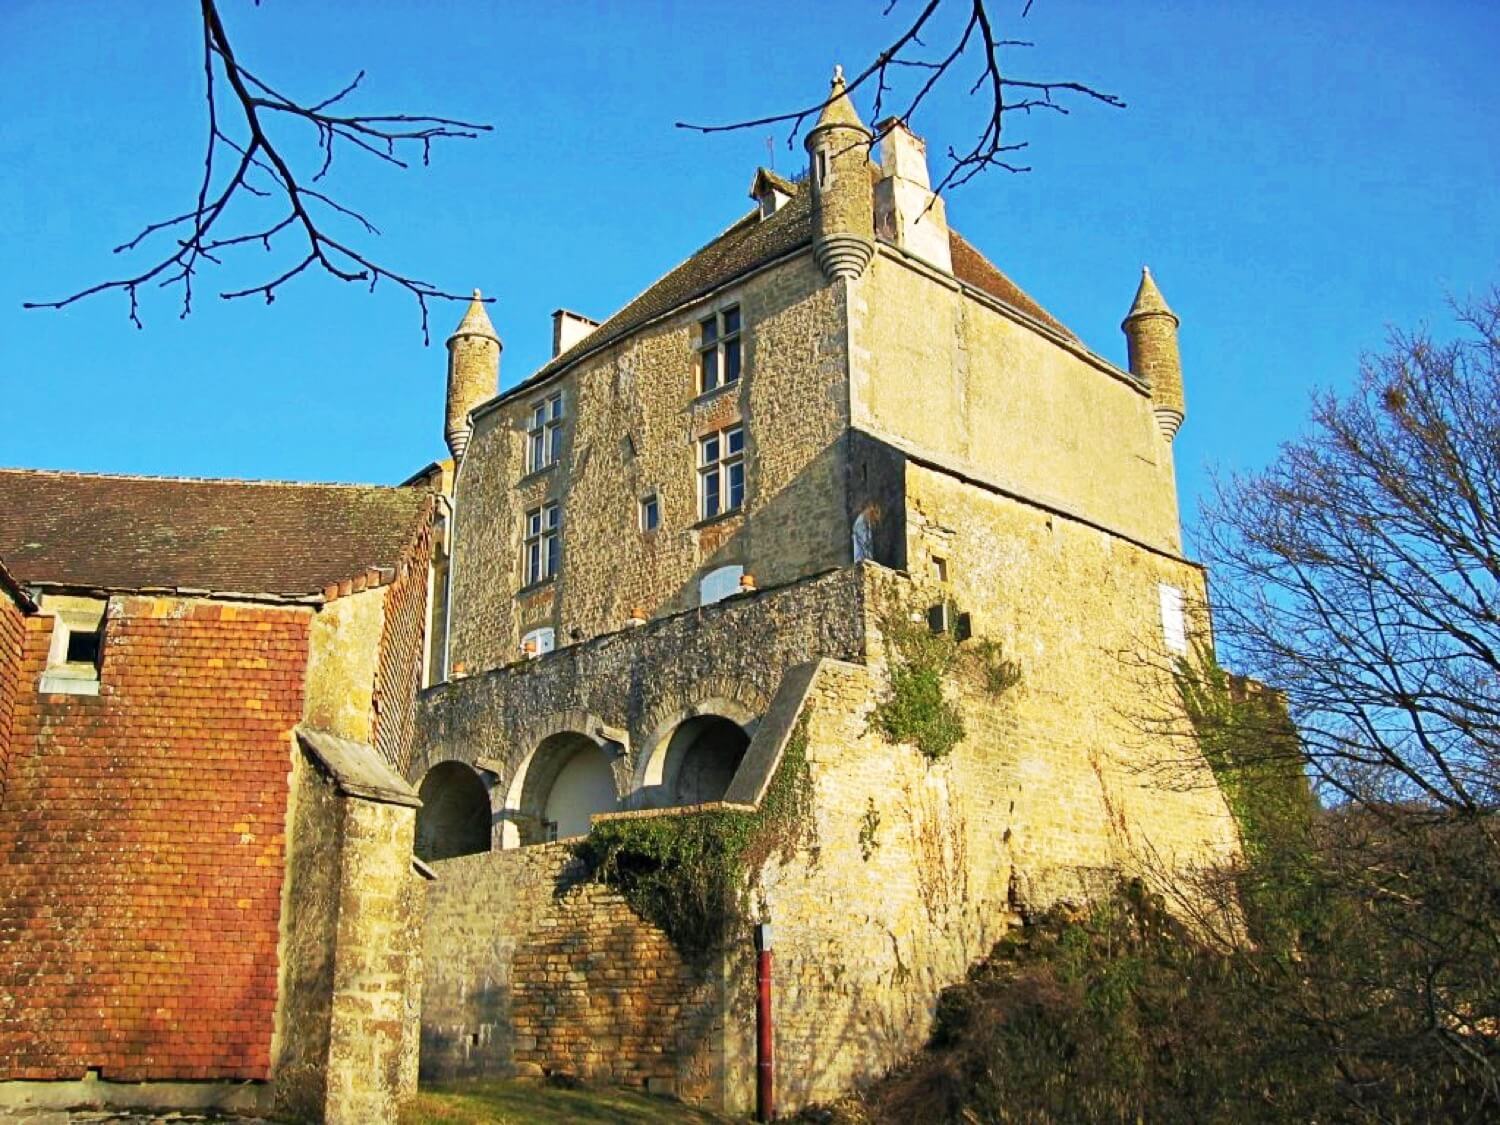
(1003, 95)
(198, 233)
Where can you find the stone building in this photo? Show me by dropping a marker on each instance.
(695, 538)
(206, 707)
(293, 777)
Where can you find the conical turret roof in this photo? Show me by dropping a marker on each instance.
(839, 111)
(1148, 298)
(476, 321)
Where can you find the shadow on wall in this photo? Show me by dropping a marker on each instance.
(455, 817)
(697, 764)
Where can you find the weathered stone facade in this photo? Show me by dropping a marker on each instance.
(633, 416)
(922, 441)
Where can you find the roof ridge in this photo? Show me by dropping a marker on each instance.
(255, 481)
(563, 357)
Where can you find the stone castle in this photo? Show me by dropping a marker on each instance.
(293, 777)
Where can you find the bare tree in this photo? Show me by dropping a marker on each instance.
(973, 49)
(243, 163)
(1360, 574)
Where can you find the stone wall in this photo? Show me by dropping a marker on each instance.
(634, 415)
(640, 682)
(373, 1037)
(142, 838)
(529, 969)
(1098, 768)
(946, 374)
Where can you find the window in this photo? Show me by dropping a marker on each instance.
(543, 545)
(719, 350)
(77, 651)
(1173, 621)
(719, 584)
(545, 433)
(721, 472)
(650, 512)
(538, 642)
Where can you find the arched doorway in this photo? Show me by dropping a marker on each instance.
(455, 816)
(701, 759)
(567, 779)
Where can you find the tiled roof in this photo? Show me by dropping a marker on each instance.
(84, 530)
(752, 242)
(973, 268)
(749, 243)
(12, 588)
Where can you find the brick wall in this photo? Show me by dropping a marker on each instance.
(573, 980)
(12, 636)
(142, 838)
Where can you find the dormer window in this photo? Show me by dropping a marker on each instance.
(77, 650)
(719, 349)
(545, 434)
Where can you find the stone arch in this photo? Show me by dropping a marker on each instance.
(566, 778)
(455, 815)
(692, 756)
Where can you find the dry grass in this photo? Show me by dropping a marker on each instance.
(484, 1102)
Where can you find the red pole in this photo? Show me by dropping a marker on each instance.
(765, 1063)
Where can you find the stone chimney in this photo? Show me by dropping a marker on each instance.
(907, 214)
(568, 328)
(473, 372)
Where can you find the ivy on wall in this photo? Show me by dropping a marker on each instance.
(689, 873)
(917, 709)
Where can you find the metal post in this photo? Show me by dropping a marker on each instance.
(765, 1064)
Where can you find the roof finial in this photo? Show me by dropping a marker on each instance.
(1148, 298)
(838, 109)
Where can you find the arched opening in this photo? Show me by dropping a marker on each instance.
(701, 759)
(455, 815)
(568, 779)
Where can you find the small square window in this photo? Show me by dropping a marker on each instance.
(83, 647)
(650, 513)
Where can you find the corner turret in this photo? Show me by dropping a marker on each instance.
(473, 371)
(838, 150)
(1150, 329)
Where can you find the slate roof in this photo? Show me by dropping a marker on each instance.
(753, 242)
(94, 531)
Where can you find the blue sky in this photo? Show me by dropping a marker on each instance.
(1299, 177)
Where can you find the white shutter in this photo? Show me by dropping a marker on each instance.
(1173, 621)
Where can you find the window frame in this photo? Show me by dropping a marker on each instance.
(651, 502)
(717, 340)
(541, 543)
(545, 637)
(717, 465)
(544, 432)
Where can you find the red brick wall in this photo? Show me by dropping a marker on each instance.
(398, 676)
(142, 845)
(12, 634)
